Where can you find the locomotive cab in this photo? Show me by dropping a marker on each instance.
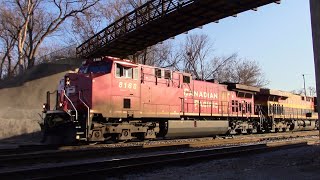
(93, 87)
(96, 67)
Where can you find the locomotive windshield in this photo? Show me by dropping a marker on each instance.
(96, 67)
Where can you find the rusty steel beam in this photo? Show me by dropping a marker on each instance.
(158, 20)
(315, 24)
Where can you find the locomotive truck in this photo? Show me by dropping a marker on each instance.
(114, 99)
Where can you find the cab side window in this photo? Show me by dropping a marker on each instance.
(157, 73)
(186, 79)
(119, 70)
(135, 73)
(167, 74)
(122, 71)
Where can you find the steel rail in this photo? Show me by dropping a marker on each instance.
(69, 155)
(144, 161)
(39, 148)
(28, 149)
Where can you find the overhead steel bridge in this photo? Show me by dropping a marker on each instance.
(158, 20)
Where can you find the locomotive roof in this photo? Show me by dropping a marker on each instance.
(128, 63)
(124, 62)
(242, 87)
(273, 92)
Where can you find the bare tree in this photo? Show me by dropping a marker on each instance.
(25, 10)
(85, 25)
(312, 91)
(42, 25)
(196, 57)
(298, 91)
(16, 16)
(157, 55)
(195, 52)
(29, 22)
(115, 9)
(8, 44)
(242, 71)
(1, 65)
(8, 39)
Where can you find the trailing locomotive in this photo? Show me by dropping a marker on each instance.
(115, 99)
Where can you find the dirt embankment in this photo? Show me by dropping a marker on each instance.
(21, 98)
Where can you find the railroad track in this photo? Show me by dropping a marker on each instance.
(116, 166)
(28, 148)
(23, 149)
(41, 154)
(71, 153)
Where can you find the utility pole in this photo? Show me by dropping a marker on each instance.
(315, 25)
(304, 85)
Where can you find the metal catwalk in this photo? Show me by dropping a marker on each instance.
(158, 20)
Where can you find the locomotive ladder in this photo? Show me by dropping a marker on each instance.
(87, 117)
(262, 118)
(75, 119)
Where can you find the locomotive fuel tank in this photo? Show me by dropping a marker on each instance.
(196, 128)
(304, 125)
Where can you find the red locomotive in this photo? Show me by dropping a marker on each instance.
(111, 98)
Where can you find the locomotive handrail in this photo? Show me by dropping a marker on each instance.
(64, 93)
(88, 115)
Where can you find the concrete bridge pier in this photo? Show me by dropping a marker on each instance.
(315, 24)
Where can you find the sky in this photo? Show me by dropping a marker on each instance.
(278, 37)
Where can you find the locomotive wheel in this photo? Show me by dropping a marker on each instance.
(259, 129)
(115, 138)
(163, 125)
(140, 136)
(291, 126)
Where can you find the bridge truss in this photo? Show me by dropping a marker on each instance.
(158, 20)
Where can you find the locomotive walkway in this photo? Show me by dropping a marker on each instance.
(158, 20)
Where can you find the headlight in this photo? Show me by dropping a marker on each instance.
(44, 107)
(67, 81)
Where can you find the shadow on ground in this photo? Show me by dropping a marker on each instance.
(23, 139)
